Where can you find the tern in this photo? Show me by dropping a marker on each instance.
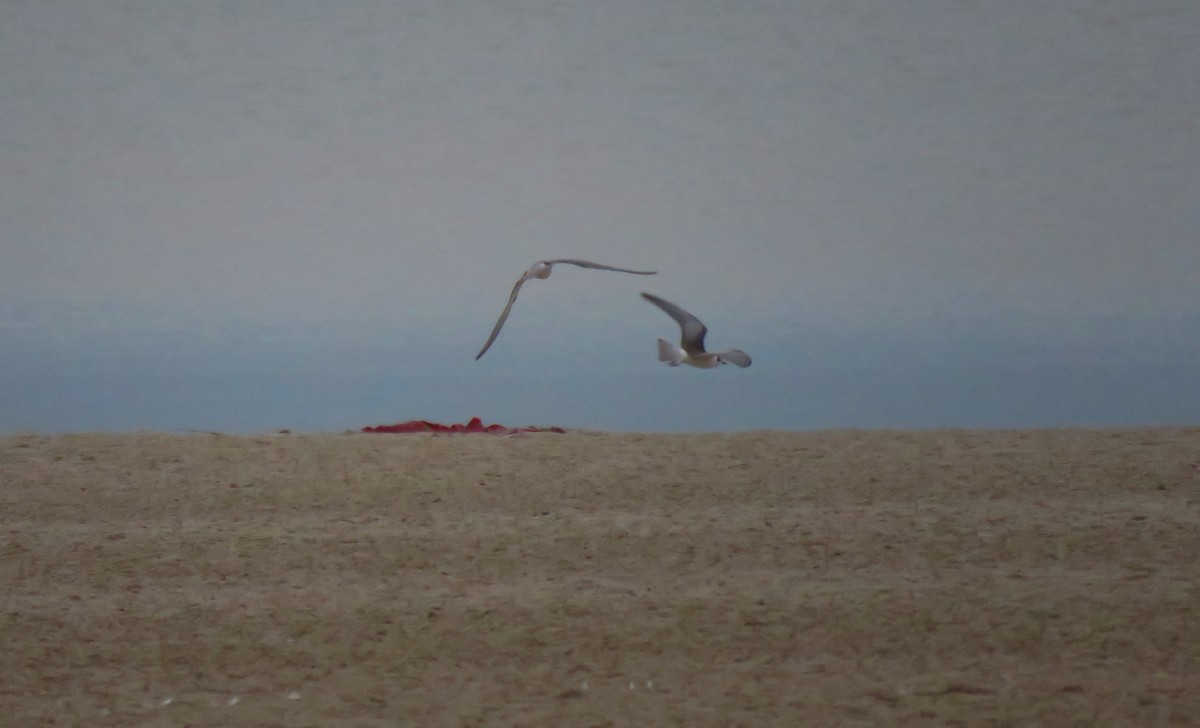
(691, 349)
(541, 269)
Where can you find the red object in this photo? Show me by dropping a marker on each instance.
(475, 425)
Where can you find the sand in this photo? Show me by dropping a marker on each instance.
(842, 578)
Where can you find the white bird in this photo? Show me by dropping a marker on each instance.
(691, 350)
(541, 269)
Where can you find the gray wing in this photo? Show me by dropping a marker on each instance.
(735, 356)
(512, 298)
(598, 266)
(692, 339)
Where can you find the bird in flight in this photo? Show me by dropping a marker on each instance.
(541, 269)
(691, 349)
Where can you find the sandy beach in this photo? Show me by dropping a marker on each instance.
(828, 578)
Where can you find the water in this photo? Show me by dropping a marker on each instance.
(304, 215)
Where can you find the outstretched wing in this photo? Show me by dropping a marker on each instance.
(735, 356)
(512, 298)
(545, 267)
(692, 339)
(599, 266)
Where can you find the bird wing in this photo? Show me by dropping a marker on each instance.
(692, 339)
(512, 298)
(735, 356)
(599, 266)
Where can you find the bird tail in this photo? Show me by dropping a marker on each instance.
(669, 353)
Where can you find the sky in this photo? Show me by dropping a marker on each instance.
(308, 215)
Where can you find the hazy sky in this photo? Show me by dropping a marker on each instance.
(294, 213)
